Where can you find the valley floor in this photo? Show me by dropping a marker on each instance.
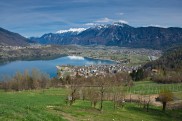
(129, 56)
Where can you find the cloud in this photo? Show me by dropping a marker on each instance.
(121, 14)
(104, 20)
(122, 21)
(108, 20)
(90, 24)
(156, 25)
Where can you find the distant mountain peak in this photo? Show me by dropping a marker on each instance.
(118, 24)
(75, 30)
(121, 24)
(100, 26)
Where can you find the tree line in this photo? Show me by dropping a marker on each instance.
(98, 89)
(26, 81)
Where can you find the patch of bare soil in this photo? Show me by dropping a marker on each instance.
(138, 98)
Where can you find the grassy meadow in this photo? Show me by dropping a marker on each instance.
(49, 104)
(149, 87)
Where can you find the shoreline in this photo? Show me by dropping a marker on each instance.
(97, 58)
(30, 58)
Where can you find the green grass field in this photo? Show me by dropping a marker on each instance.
(49, 104)
(149, 87)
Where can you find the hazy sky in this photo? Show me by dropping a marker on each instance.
(36, 17)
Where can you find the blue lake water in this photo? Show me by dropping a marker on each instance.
(48, 66)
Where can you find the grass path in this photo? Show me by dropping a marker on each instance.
(66, 116)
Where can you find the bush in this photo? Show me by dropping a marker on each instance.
(167, 77)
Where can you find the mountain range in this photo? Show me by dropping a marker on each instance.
(117, 34)
(8, 38)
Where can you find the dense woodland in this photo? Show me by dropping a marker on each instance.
(167, 69)
(171, 60)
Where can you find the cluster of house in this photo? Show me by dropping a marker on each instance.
(92, 70)
(33, 46)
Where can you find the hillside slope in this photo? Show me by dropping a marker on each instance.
(170, 60)
(8, 38)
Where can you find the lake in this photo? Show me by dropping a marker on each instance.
(48, 66)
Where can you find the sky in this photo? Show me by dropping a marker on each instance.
(37, 17)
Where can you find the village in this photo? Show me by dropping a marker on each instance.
(31, 46)
(92, 70)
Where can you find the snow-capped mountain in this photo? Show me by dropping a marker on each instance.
(117, 34)
(75, 30)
